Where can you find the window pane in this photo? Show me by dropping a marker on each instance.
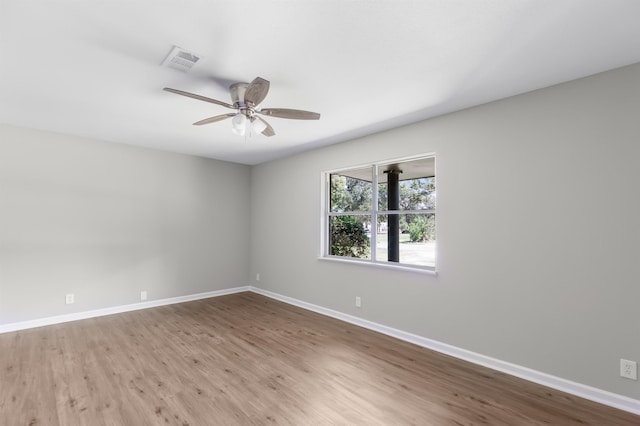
(418, 194)
(382, 196)
(349, 236)
(351, 190)
(416, 185)
(414, 242)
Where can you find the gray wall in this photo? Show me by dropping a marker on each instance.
(538, 234)
(105, 221)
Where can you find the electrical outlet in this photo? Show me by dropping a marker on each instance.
(258, 276)
(358, 302)
(143, 295)
(69, 299)
(628, 369)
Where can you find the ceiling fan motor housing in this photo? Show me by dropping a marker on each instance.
(237, 94)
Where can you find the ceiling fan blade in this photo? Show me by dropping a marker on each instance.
(213, 119)
(201, 98)
(296, 114)
(256, 91)
(268, 130)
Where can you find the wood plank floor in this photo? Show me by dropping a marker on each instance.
(248, 360)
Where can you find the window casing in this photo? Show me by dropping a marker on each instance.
(383, 213)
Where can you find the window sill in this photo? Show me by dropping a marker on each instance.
(408, 268)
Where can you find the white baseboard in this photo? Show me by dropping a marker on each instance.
(578, 389)
(116, 309)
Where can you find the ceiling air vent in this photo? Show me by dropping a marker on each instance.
(179, 59)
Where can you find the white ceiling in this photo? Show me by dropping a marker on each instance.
(92, 68)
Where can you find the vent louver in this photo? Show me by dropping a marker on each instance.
(179, 59)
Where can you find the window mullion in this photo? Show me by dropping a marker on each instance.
(374, 212)
(353, 213)
(383, 212)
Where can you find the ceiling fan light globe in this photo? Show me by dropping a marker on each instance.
(258, 125)
(239, 124)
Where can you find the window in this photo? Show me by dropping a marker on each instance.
(383, 213)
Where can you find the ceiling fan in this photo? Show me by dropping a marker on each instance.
(246, 98)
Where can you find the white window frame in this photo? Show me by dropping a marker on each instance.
(374, 213)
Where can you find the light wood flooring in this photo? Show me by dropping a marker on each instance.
(248, 360)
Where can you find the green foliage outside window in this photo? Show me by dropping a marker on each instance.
(422, 228)
(349, 194)
(349, 238)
